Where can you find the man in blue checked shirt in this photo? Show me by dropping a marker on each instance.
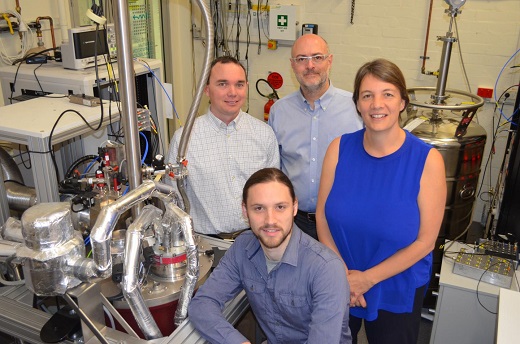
(297, 287)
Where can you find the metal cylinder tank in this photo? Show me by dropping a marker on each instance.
(462, 158)
(462, 154)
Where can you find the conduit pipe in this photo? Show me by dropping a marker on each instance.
(425, 54)
(100, 267)
(130, 282)
(185, 137)
(192, 269)
(39, 31)
(19, 197)
(174, 215)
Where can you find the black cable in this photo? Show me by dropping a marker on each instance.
(480, 279)
(96, 68)
(41, 88)
(259, 4)
(112, 82)
(495, 133)
(37, 80)
(78, 162)
(19, 62)
(53, 157)
(275, 94)
(239, 29)
(21, 157)
(14, 82)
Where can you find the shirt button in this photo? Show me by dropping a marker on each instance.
(312, 180)
(313, 159)
(314, 118)
(314, 139)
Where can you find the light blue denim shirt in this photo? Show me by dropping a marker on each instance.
(304, 135)
(304, 299)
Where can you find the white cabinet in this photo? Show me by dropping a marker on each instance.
(466, 310)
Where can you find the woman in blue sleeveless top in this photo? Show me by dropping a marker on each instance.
(380, 207)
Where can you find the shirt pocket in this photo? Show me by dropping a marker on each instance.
(291, 300)
(256, 294)
(294, 308)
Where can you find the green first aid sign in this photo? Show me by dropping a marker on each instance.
(282, 20)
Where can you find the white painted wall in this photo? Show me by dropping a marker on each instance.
(489, 34)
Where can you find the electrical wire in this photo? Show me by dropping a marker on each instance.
(461, 59)
(26, 41)
(51, 151)
(501, 261)
(160, 83)
(496, 85)
(492, 150)
(145, 147)
(78, 162)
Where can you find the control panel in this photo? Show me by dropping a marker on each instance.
(484, 267)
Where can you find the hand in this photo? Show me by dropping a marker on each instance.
(359, 285)
(358, 302)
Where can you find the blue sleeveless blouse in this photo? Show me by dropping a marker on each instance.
(372, 212)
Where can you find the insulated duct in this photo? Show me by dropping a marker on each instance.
(130, 282)
(19, 196)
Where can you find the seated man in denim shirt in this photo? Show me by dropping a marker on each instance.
(297, 287)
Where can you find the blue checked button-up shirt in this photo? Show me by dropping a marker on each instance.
(304, 135)
(220, 159)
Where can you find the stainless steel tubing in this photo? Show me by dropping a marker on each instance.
(127, 96)
(183, 144)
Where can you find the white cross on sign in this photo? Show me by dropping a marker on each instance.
(282, 20)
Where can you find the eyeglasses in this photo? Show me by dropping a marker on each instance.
(305, 59)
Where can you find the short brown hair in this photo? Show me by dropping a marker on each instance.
(224, 60)
(383, 70)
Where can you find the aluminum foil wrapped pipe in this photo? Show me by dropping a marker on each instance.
(101, 266)
(9, 167)
(192, 266)
(130, 282)
(20, 197)
(8, 248)
(12, 230)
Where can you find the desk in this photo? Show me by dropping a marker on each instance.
(52, 77)
(459, 317)
(30, 123)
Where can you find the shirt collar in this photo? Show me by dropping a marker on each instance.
(290, 255)
(219, 124)
(324, 101)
